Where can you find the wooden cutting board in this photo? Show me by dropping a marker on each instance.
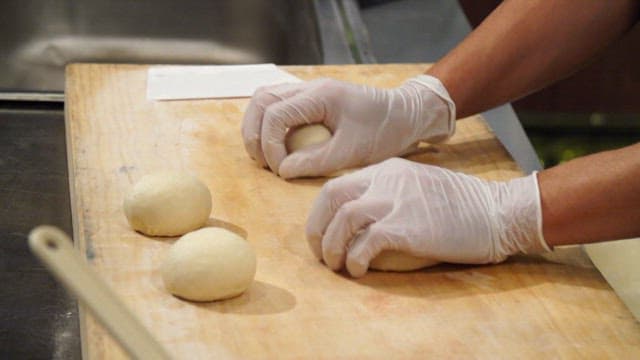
(528, 307)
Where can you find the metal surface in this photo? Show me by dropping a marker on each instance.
(507, 127)
(333, 34)
(34, 96)
(38, 320)
(359, 33)
(38, 37)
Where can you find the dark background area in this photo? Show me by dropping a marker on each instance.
(38, 318)
(595, 109)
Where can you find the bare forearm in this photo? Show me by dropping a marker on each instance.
(525, 45)
(594, 198)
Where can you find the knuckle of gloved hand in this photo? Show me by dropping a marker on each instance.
(395, 162)
(271, 113)
(377, 236)
(249, 130)
(275, 121)
(312, 231)
(385, 165)
(331, 89)
(324, 82)
(346, 213)
(331, 252)
(263, 92)
(332, 190)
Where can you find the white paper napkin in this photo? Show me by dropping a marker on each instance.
(212, 81)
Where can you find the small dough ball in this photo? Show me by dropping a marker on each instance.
(209, 264)
(391, 260)
(307, 135)
(167, 204)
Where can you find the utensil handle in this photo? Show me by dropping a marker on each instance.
(54, 248)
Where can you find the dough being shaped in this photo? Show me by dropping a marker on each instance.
(209, 264)
(391, 260)
(167, 204)
(306, 135)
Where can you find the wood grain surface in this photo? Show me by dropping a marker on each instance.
(528, 307)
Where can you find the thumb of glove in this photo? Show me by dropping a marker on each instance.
(305, 162)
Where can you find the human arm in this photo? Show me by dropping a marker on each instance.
(593, 198)
(524, 45)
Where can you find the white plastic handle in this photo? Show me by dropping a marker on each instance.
(54, 248)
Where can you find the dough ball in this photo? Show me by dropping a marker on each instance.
(167, 204)
(307, 135)
(391, 260)
(209, 264)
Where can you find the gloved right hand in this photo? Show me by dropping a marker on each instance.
(367, 124)
(424, 211)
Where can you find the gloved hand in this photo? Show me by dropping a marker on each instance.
(368, 124)
(424, 211)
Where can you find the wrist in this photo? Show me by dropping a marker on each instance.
(520, 218)
(436, 109)
(434, 84)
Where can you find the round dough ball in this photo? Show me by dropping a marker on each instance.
(167, 204)
(307, 135)
(391, 260)
(209, 264)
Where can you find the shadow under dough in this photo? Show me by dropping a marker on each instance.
(261, 298)
(453, 280)
(240, 231)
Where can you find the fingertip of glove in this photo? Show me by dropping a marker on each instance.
(292, 167)
(314, 243)
(356, 268)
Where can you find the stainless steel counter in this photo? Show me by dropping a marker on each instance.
(39, 320)
(40, 37)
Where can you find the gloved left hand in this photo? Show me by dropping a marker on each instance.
(368, 124)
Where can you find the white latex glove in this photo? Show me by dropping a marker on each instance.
(425, 211)
(368, 124)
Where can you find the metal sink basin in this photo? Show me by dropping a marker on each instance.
(38, 37)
